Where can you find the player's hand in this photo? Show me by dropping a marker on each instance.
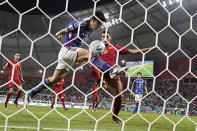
(59, 37)
(154, 48)
(22, 80)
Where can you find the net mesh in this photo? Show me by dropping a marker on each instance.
(153, 93)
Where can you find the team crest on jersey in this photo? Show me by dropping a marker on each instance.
(105, 52)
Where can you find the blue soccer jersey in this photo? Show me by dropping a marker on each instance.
(139, 86)
(84, 32)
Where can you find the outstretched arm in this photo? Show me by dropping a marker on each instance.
(60, 33)
(132, 89)
(5, 66)
(146, 90)
(136, 51)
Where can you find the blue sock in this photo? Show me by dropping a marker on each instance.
(40, 88)
(102, 65)
(136, 107)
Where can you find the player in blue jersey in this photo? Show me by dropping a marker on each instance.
(72, 52)
(139, 84)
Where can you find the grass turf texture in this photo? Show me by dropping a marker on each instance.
(85, 122)
(133, 72)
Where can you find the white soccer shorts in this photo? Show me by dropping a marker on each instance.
(67, 56)
(138, 97)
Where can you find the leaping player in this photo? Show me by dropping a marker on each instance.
(72, 52)
(115, 85)
(58, 88)
(17, 78)
(139, 85)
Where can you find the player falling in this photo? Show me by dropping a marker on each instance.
(72, 52)
(95, 96)
(59, 88)
(17, 78)
(115, 85)
(139, 84)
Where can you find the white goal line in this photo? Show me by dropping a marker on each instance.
(52, 129)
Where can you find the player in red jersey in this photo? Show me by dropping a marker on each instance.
(17, 78)
(95, 98)
(58, 88)
(115, 85)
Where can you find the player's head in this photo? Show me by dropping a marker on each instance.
(139, 75)
(16, 56)
(108, 37)
(95, 23)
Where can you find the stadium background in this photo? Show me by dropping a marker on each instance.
(45, 49)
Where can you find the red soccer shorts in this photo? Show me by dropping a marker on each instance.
(57, 90)
(17, 81)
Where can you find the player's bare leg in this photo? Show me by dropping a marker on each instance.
(8, 97)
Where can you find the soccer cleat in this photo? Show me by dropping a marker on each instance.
(117, 71)
(66, 108)
(51, 106)
(5, 106)
(116, 119)
(16, 103)
(94, 110)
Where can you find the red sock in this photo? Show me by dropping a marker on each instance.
(93, 105)
(96, 105)
(117, 105)
(8, 97)
(63, 103)
(17, 96)
(53, 102)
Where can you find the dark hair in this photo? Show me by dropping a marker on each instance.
(107, 32)
(139, 73)
(99, 15)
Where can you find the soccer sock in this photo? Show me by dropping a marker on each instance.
(93, 105)
(17, 96)
(96, 105)
(8, 97)
(40, 88)
(101, 64)
(136, 107)
(117, 105)
(63, 103)
(53, 102)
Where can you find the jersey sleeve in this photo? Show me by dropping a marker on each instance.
(123, 51)
(144, 83)
(72, 26)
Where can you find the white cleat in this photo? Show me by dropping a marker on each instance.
(117, 71)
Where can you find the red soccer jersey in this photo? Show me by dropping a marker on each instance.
(95, 93)
(110, 54)
(16, 70)
(59, 86)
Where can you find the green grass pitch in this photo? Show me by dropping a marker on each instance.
(84, 122)
(139, 68)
